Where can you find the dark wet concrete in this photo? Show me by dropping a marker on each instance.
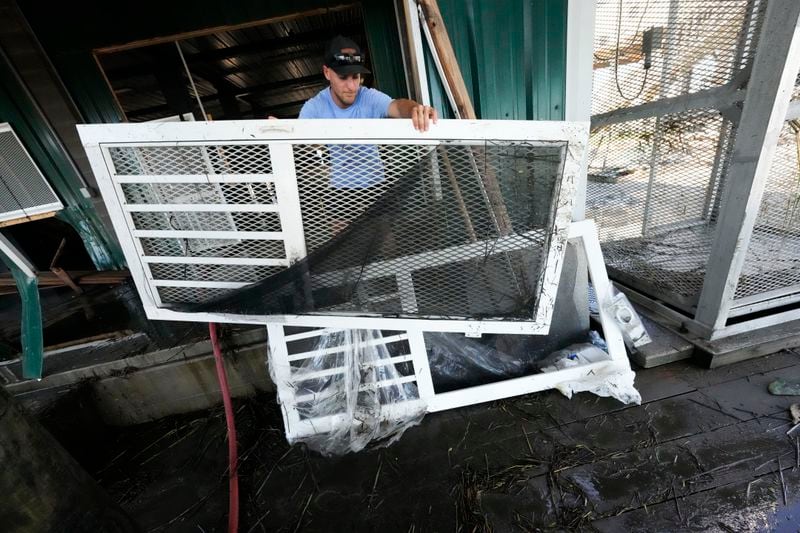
(705, 451)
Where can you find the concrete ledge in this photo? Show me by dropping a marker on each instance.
(150, 386)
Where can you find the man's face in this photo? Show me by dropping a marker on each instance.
(344, 87)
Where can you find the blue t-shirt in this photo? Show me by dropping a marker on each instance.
(369, 103)
(352, 166)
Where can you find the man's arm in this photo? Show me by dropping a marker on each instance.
(420, 115)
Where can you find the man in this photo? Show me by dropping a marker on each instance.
(354, 168)
(345, 97)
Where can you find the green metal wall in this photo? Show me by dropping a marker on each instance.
(69, 31)
(512, 54)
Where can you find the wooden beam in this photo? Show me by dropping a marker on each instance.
(60, 272)
(315, 80)
(627, 54)
(30, 218)
(223, 28)
(447, 56)
(313, 42)
(443, 48)
(81, 277)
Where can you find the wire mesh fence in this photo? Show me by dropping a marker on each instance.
(656, 180)
(652, 190)
(646, 50)
(772, 263)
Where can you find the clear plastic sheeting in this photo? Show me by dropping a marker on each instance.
(329, 380)
(353, 388)
(615, 384)
(457, 361)
(628, 320)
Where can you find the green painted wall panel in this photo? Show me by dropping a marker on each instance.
(384, 45)
(512, 54)
(31, 328)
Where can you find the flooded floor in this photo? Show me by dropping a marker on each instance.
(707, 450)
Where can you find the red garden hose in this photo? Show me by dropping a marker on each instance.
(233, 475)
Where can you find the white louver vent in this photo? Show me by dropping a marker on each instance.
(24, 191)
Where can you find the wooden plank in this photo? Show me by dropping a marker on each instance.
(666, 346)
(497, 429)
(220, 29)
(65, 278)
(673, 424)
(447, 56)
(31, 218)
(587, 440)
(752, 344)
(698, 376)
(454, 82)
(646, 476)
(748, 396)
(82, 277)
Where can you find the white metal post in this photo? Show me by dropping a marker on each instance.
(578, 97)
(288, 201)
(415, 51)
(774, 71)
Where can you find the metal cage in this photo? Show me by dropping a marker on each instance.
(683, 108)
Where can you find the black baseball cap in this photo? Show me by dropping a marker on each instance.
(345, 62)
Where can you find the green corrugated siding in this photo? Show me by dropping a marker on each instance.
(512, 54)
(384, 45)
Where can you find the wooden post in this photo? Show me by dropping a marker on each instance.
(448, 58)
(60, 272)
(457, 192)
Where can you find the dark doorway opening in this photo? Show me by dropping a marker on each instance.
(249, 72)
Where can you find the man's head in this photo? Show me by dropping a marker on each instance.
(344, 65)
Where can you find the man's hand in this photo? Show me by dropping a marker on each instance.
(422, 116)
